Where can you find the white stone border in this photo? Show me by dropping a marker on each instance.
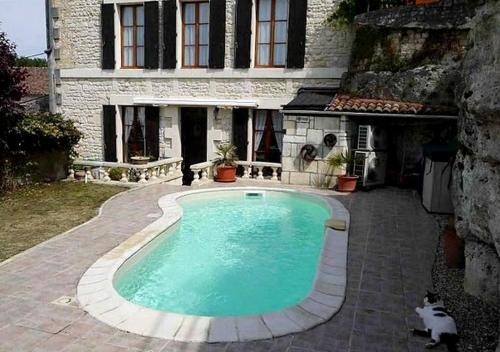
(97, 295)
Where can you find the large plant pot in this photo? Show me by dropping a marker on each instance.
(346, 183)
(226, 174)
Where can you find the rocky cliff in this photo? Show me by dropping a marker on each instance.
(477, 168)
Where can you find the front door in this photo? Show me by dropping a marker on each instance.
(193, 139)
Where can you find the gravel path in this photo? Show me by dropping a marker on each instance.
(477, 321)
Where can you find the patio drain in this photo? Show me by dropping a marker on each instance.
(66, 301)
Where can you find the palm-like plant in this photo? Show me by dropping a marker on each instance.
(226, 155)
(338, 161)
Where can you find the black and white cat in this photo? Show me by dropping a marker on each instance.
(439, 325)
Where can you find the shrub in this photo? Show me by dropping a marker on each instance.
(24, 61)
(343, 15)
(38, 134)
(43, 132)
(115, 173)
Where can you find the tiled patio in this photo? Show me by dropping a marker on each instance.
(391, 251)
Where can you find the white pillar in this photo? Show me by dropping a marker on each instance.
(250, 135)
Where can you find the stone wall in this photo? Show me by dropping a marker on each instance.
(441, 15)
(302, 130)
(79, 44)
(477, 168)
(36, 103)
(82, 101)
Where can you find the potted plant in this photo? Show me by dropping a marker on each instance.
(345, 161)
(225, 163)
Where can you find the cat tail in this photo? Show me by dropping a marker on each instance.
(450, 340)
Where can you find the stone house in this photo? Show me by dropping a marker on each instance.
(174, 78)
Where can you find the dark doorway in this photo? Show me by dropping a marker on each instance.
(240, 135)
(193, 139)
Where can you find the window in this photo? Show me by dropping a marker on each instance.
(195, 17)
(132, 22)
(268, 135)
(134, 131)
(272, 33)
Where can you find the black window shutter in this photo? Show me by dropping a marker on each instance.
(109, 132)
(108, 36)
(243, 33)
(153, 132)
(151, 34)
(217, 34)
(169, 34)
(296, 34)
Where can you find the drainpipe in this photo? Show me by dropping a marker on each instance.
(49, 25)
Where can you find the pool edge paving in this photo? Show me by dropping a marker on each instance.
(97, 296)
(392, 246)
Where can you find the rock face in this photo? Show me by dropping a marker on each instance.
(407, 64)
(429, 84)
(441, 15)
(477, 168)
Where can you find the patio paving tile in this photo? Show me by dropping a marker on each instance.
(391, 250)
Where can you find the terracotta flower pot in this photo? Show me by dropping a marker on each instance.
(226, 174)
(346, 183)
(453, 249)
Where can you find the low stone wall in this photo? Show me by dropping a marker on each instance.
(302, 130)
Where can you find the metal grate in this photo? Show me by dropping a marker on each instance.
(363, 136)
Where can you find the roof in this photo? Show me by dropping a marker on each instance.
(348, 103)
(37, 80)
(311, 99)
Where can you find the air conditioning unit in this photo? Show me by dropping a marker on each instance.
(371, 168)
(372, 137)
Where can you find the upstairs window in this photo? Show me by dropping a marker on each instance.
(132, 22)
(195, 26)
(272, 33)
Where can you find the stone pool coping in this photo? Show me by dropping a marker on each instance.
(97, 295)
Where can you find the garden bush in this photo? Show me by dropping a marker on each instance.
(28, 142)
(115, 173)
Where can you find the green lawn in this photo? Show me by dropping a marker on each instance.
(36, 213)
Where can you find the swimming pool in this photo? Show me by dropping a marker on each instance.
(224, 264)
(233, 253)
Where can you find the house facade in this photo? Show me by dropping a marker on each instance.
(175, 78)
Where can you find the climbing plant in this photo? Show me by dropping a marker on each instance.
(344, 14)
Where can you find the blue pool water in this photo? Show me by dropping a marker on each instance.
(230, 255)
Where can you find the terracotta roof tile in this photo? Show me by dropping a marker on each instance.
(37, 80)
(350, 103)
